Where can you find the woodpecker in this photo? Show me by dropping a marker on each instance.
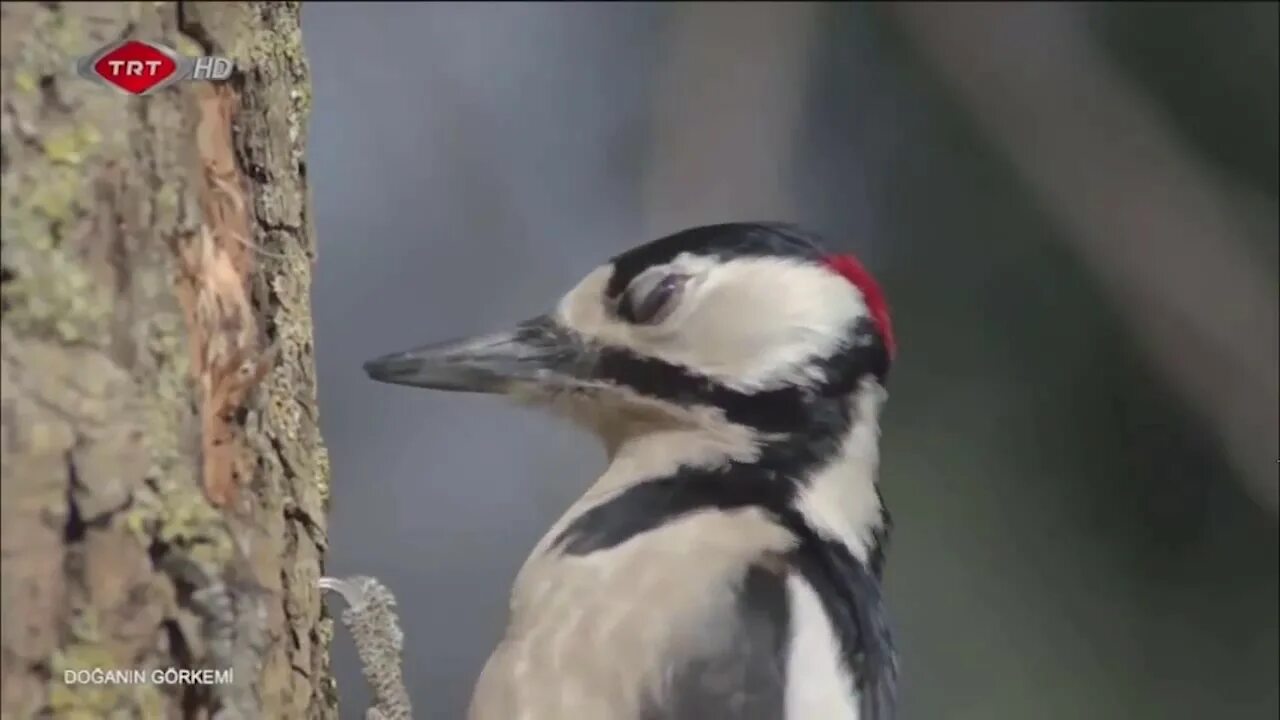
(727, 563)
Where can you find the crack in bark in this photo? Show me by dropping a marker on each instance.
(193, 29)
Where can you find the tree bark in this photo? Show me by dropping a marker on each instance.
(164, 480)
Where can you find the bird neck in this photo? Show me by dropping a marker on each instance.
(826, 470)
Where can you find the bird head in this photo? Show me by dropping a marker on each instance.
(751, 322)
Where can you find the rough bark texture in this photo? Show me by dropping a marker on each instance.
(165, 484)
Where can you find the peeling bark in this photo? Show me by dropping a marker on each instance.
(164, 480)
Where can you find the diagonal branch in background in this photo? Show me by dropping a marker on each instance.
(728, 110)
(1162, 233)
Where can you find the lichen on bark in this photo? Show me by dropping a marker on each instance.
(121, 549)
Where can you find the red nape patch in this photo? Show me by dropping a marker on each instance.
(854, 272)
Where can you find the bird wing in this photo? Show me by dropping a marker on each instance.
(736, 665)
(805, 638)
(849, 594)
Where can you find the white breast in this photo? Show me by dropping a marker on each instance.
(590, 635)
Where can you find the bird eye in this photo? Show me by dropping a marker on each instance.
(650, 301)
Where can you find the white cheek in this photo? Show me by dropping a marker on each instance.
(758, 323)
(584, 310)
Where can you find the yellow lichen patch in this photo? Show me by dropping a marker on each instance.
(25, 81)
(56, 196)
(88, 134)
(53, 294)
(188, 519)
(63, 148)
(186, 46)
(182, 518)
(69, 146)
(50, 292)
(192, 522)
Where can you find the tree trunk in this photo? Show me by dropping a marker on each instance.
(165, 484)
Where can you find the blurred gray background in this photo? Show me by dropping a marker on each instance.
(1073, 209)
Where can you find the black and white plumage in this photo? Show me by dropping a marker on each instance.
(727, 563)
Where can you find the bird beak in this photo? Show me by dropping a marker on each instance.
(538, 353)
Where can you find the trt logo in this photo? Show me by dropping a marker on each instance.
(140, 67)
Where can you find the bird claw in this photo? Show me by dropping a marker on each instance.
(353, 595)
(371, 619)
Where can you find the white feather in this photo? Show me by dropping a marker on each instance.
(841, 498)
(817, 680)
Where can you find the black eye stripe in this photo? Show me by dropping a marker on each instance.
(768, 411)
